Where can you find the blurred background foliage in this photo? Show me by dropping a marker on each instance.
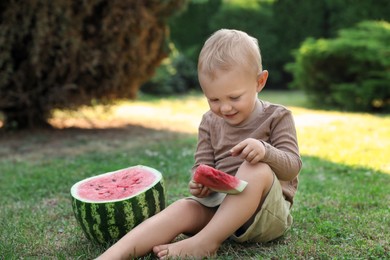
(63, 54)
(279, 25)
(60, 53)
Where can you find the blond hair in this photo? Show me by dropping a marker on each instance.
(226, 49)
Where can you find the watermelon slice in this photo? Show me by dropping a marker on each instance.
(217, 180)
(109, 205)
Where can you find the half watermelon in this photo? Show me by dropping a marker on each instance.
(217, 180)
(109, 205)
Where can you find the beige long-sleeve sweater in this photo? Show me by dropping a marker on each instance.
(270, 123)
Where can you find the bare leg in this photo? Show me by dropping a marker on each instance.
(183, 216)
(234, 212)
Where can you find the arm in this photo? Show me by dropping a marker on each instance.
(280, 152)
(204, 152)
(204, 155)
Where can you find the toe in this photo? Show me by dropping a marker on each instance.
(161, 251)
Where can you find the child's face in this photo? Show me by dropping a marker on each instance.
(232, 94)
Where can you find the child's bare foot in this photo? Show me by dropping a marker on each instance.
(186, 248)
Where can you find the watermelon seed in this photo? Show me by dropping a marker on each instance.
(114, 180)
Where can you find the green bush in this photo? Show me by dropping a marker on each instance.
(177, 74)
(350, 72)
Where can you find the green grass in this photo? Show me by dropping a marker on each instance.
(341, 210)
(36, 215)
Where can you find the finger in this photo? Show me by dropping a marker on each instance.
(196, 192)
(256, 159)
(237, 149)
(208, 192)
(245, 153)
(195, 185)
(251, 155)
(204, 191)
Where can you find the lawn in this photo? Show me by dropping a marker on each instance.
(341, 210)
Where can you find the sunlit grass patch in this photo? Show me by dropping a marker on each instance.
(181, 114)
(351, 139)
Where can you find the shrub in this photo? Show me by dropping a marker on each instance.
(351, 71)
(177, 74)
(61, 54)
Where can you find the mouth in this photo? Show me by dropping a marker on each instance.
(230, 115)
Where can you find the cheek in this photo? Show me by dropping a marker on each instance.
(240, 105)
(244, 105)
(214, 107)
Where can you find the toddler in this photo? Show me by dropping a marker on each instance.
(240, 135)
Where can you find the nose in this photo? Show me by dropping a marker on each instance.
(225, 108)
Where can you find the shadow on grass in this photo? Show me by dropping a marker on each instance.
(51, 143)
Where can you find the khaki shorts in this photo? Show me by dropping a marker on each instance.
(271, 222)
(273, 219)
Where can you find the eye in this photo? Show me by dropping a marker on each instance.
(235, 98)
(213, 99)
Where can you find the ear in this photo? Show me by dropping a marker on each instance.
(261, 80)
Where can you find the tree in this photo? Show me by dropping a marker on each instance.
(62, 54)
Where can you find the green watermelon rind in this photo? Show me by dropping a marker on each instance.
(215, 179)
(107, 221)
(236, 190)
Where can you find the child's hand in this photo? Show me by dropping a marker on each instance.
(198, 190)
(250, 149)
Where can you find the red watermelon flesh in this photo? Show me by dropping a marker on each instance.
(218, 180)
(118, 185)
